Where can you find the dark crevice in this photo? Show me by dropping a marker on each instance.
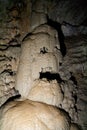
(51, 76)
(65, 113)
(13, 98)
(26, 37)
(75, 97)
(17, 45)
(57, 26)
(73, 79)
(10, 72)
(75, 108)
(43, 50)
(60, 64)
(6, 47)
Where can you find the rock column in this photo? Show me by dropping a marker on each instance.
(40, 58)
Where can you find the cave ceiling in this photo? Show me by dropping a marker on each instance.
(15, 15)
(70, 11)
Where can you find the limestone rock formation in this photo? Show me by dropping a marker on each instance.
(74, 72)
(9, 59)
(46, 91)
(40, 54)
(36, 61)
(23, 27)
(30, 115)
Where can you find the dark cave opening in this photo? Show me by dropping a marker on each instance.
(73, 79)
(13, 98)
(51, 76)
(43, 50)
(57, 26)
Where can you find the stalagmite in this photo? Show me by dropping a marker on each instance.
(29, 115)
(47, 92)
(37, 82)
(40, 53)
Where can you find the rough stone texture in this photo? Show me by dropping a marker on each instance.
(72, 12)
(46, 91)
(13, 28)
(74, 127)
(9, 59)
(13, 15)
(69, 30)
(74, 72)
(30, 115)
(70, 91)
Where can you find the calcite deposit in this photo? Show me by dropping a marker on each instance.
(30, 115)
(39, 57)
(40, 53)
(47, 92)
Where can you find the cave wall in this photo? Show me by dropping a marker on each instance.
(13, 15)
(18, 18)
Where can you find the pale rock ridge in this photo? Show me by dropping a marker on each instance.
(30, 115)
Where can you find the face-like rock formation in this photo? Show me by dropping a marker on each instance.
(39, 62)
(38, 83)
(40, 54)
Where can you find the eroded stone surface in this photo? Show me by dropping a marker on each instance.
(73, 70)
(9, 59)
(9, 53)
(30, 115)
(46, 91)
